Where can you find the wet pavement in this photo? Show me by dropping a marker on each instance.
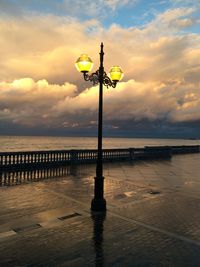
(153, 215)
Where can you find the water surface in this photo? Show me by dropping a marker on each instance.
(32, 143)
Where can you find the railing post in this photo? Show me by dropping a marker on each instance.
(131, 153)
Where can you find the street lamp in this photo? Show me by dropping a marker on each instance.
(84, 64)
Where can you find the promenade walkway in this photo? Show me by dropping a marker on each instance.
(153, 217)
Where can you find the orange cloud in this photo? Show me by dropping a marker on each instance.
(32, 103)
(161, 70)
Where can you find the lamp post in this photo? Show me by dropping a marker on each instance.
(84, 64)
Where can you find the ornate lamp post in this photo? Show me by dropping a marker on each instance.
(84, 64)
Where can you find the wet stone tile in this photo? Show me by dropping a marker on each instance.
(152, 220)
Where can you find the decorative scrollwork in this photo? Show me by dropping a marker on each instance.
(108, 82)
(95, 79)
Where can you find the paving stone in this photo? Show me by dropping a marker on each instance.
(54, 227)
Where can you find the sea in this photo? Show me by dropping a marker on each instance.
(37, 143)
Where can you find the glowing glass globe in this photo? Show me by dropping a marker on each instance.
(84, 63)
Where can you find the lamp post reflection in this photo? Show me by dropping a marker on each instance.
(98, 228)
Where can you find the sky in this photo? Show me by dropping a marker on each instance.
(156, 43)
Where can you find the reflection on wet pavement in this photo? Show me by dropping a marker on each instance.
(153, 215)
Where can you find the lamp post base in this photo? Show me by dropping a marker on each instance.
(98, 204)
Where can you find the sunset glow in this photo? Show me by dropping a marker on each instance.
(156, 43)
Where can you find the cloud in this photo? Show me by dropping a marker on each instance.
(161, 69)
(90, 8)
(82, 9)
(46, 46)
(173, 20)
(27, 102)
(184, 2)
(114, 4)
(172, 101)
(8, 7)
(30, 103)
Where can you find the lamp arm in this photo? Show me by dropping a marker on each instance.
(94, 78)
